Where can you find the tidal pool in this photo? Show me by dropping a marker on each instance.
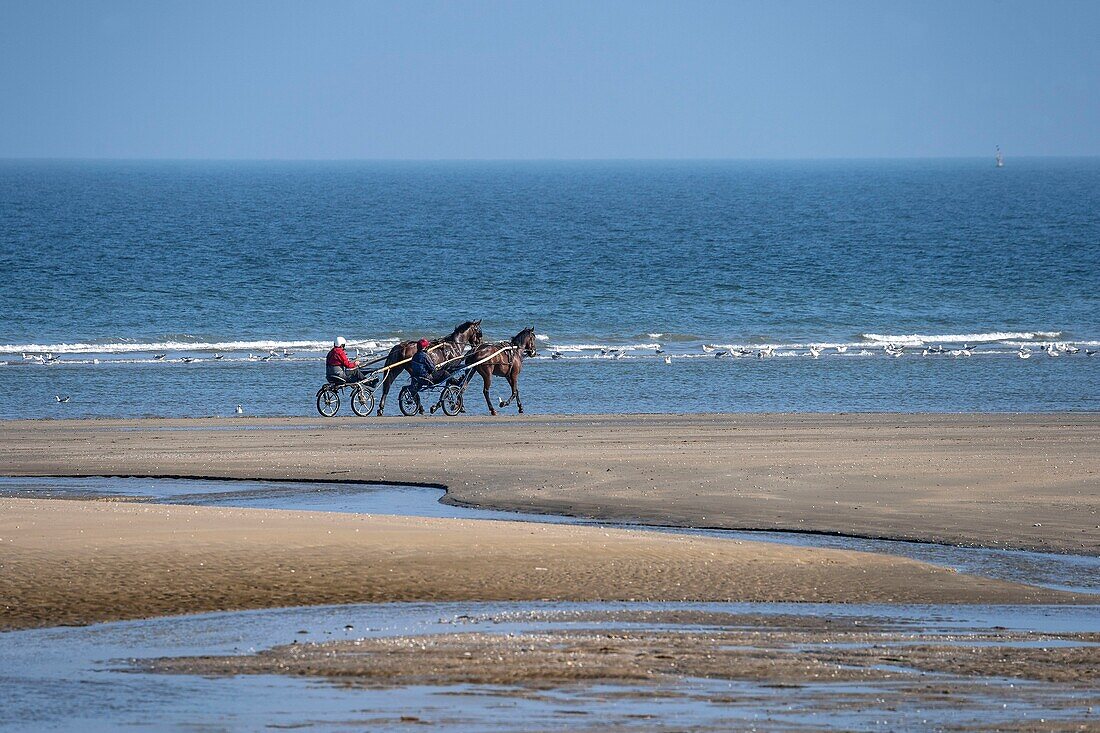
(99, 677)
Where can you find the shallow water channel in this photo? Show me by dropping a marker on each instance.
(91, 678)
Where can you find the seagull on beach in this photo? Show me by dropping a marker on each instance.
(841, 349)
(1052, 350)
(668, 360)
(159, 357)
(61, 398)
(765, 351)
(1024, 353)
(556, 355)
(240, 410)
(708, 348)
(218, 357)
(1089, 353)
(815, 351)
(720, 354)
(658, 351)
(291, 353)
(187, 359)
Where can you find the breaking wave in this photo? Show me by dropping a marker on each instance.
(918, 339)
(136, 347)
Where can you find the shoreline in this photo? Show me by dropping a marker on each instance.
(448, 499)
(1022, 481)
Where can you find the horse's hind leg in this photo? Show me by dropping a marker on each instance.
(513, 381)
(391, 376)
(487, 379)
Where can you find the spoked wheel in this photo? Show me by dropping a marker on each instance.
(451, 400)
(328, 401)
(406, 400)
(362, 401)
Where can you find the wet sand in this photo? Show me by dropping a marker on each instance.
(1027, 481)
(75, 562)
(781, 650)
(833, 665)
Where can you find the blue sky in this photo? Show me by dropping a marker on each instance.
(425, 80)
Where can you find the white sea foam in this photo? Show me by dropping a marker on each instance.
(607, 346)
(167, 346)
(121, 351)
(918, 339)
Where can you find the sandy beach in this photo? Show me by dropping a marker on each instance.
(1020, 481)
(1027, 481)
(75, 562)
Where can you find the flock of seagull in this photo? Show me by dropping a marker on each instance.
(1054, 350)
(50, 358)
(814, 351)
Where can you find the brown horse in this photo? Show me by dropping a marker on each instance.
(450, 347)
(508, 364)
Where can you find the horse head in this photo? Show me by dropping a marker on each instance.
(525, 340)
(469, 333)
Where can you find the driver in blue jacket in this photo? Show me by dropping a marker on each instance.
(421, 368)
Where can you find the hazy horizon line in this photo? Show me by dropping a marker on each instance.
(135, 159)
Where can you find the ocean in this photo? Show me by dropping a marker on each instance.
(733, 270)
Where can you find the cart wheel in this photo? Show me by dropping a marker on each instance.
(406, 400)
(362, 401)
(451, 399)
(328, 401)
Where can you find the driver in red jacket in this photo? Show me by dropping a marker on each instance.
(338, 367)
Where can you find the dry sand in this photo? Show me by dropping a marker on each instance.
(1023, 481)
(72, 562)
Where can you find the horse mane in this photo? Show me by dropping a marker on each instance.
(464, 326)
(460, 328)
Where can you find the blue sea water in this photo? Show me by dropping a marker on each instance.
(104, 264)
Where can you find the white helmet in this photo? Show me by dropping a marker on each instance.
(340, 341)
